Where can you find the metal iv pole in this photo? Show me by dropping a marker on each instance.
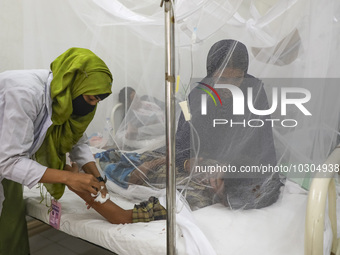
(170, 125)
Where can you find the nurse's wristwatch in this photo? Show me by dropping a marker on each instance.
(101, 179)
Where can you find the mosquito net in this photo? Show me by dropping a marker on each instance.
(257, 86)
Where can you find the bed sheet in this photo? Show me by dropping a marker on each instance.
(278, 229)
(76, 220)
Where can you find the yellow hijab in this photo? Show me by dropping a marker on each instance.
(76, 72)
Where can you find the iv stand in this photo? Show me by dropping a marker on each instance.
(170, 125)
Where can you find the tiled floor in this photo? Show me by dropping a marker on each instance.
(55, 242)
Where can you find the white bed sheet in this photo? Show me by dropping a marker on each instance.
(278, 229)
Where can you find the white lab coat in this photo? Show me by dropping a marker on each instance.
(25, 116)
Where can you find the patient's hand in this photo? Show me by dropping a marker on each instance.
(153, 163)
(138, 175)
(214, 179)
(217, 184)
(103, 191)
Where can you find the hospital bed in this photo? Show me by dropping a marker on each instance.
(300, 222)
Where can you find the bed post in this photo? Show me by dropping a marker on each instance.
(170, 125)
(322, 185)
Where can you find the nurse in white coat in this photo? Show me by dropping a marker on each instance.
(43, 115)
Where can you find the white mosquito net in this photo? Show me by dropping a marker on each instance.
(258, 82)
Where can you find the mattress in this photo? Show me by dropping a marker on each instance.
(277, 229)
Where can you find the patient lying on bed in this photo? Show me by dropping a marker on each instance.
(149, 169)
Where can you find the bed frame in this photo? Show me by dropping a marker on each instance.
(320, 189)
(116, 117)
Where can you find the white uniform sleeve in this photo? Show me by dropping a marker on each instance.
(19, 110)
(81, 153)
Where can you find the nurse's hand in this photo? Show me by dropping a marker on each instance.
(73, 168)
(91, 168)
(82, 182)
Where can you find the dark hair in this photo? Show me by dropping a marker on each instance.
(227, 53)
(124, 94)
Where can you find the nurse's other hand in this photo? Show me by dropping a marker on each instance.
(74, 168)
(81, 182)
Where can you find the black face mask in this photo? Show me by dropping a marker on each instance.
(81, 107)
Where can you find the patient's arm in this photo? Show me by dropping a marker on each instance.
(109, 210)
(144, 212)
